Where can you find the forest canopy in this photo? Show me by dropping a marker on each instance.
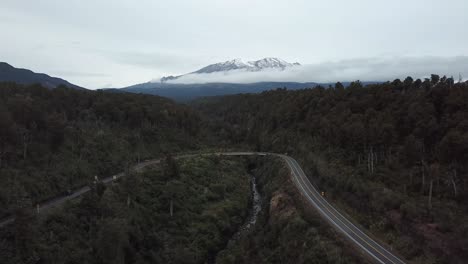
(393, 155)
(54, 140)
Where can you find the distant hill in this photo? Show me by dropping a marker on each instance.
(9, 73)
(187, 92)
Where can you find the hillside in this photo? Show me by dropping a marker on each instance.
(9, 73)
(187, 92)
(159, 216)
(287, 231)
(54, 140)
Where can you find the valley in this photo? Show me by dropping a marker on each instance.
(233, 132)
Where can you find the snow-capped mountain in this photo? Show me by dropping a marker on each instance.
(272, 63)
(238, 64)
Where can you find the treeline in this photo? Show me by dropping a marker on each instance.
(54, 140)
(394, 154)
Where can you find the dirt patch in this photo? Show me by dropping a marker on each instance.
(282, 208)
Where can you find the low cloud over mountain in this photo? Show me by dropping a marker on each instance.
(366, 69)
(238, 66)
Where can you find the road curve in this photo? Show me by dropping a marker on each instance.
(370, 247)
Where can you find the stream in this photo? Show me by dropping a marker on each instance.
(253, 213)
(256, 208)
(251, 218)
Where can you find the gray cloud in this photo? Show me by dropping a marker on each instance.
(134, 41)
(364, 69)
(79, 74)
(169, 62)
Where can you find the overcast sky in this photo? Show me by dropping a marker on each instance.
(115, 43)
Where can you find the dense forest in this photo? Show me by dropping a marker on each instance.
(181, 212)
(54, 140)
(184, 211)
(392, 155)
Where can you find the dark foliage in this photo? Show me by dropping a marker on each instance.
(55, 140)
(395, 155)
(153, 217)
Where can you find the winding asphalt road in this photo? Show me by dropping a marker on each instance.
(369, 246)
(372, 248)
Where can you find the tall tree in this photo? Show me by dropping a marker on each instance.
(435, 79)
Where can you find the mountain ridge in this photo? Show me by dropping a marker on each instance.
(8, 73)
(186, 92)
